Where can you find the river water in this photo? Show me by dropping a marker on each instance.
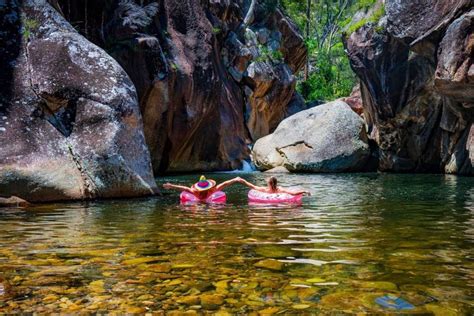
(357, 239)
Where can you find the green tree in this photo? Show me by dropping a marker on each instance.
(327, 75)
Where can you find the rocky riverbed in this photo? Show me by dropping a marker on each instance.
(358, 238)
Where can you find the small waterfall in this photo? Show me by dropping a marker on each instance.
(247, 167)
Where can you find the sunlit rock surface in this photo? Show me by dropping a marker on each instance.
(420, 23)
(70, 126)
(354, 100)
(455, 69)
(327, 138)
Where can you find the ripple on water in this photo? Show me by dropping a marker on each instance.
(359, 237)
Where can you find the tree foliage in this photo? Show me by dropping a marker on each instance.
(329, 75)
(135, 15)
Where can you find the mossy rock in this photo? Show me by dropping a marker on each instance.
(380, 285)
(446, 309)
(268, 311)
(160, 267)
(350, 301)
(179, 266)
(97, 286)
(270, 264)
(300, 306)
(315, 280)
(189, 300)
(211, 301)
(275, 251)
(137, 261)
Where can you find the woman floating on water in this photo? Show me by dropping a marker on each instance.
(204, 190)
(273, 194)
(272, 187)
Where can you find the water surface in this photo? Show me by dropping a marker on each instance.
(358, 238)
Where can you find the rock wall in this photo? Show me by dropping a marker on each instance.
(205, 84)
(70, 126)
(416, 73)
(208, 85)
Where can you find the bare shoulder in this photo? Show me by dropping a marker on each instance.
(261, 189)
(285, 190)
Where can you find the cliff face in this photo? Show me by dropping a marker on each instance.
(207, 85)
(96, 94)
(416, 72)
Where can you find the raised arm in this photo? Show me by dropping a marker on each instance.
(224, 184)
(250, 185)
(170, 186)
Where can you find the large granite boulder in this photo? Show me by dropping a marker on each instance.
(327, 138)
(70, 126)
(292, 43)
(194, 115)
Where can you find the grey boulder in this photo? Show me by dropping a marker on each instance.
(326, 138)
(70, 126)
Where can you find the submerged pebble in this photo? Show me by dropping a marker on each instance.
(160, 258)
(270, 264)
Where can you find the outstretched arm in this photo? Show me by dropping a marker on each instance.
(250, 185)
(293, 192)
(224, 184)
(170, 186)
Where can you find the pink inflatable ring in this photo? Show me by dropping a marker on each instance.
(274, 198)
(217, 197)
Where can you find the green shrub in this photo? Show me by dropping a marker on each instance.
(374, 18)
(29, 25)
(332, 78)
(268, 55)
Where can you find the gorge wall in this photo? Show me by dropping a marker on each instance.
(208, 85)
(84, 83)
(98, 96)
(417, 75)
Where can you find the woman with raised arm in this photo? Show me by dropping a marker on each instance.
(205, 190)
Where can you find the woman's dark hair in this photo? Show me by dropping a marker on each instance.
(272, 182)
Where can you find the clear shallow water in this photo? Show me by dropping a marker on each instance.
(359, 237)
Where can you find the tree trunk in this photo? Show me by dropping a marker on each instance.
(249, 14)
(308, 18)
(85, 18)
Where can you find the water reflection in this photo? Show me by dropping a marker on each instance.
(358, 237)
